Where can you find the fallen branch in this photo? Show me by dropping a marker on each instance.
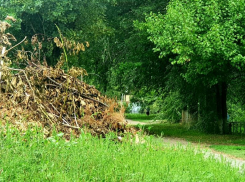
(54, 81)
(16, 45)
(13, 69)
(94, 100)
(74, 127)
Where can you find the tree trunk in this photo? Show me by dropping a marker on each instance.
(221, 92)
(224, 108)
(213, 110)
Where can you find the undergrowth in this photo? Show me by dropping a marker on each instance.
(30, 157)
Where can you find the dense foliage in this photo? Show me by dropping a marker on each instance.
(173, 55)
(205, 39)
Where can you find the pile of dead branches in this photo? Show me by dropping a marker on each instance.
(55, 99)
(49, 97)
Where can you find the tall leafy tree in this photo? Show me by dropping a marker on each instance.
(135, 64)
(207, 41)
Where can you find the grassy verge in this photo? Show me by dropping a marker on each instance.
(230, 144)
(237, 151)
(140, 117)
(29, 157)
(179, 131)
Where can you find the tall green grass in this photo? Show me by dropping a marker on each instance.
(30, 157)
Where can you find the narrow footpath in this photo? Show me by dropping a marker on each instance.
(219, 156)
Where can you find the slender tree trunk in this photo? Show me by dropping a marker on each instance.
(221, 93)
(219, 121)
(224, 108)
(211, 109)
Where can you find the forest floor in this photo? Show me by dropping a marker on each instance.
(179, 142)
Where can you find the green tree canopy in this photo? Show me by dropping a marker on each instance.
(206, 38)
(78, 21)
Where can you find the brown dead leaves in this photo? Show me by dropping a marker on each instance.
(49, 97)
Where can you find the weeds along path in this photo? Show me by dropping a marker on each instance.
(204, 148)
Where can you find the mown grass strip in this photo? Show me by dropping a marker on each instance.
(180, 131)
(237, 151)
(140, 117)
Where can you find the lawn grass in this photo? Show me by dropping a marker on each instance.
(140, 117)
(230, 144)
(237, 151)
(30, 157)
(180, 131)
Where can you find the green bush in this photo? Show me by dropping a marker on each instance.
(236, 112)
(171, 107)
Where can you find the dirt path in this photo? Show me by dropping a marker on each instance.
(204, 148)
(131, 122)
